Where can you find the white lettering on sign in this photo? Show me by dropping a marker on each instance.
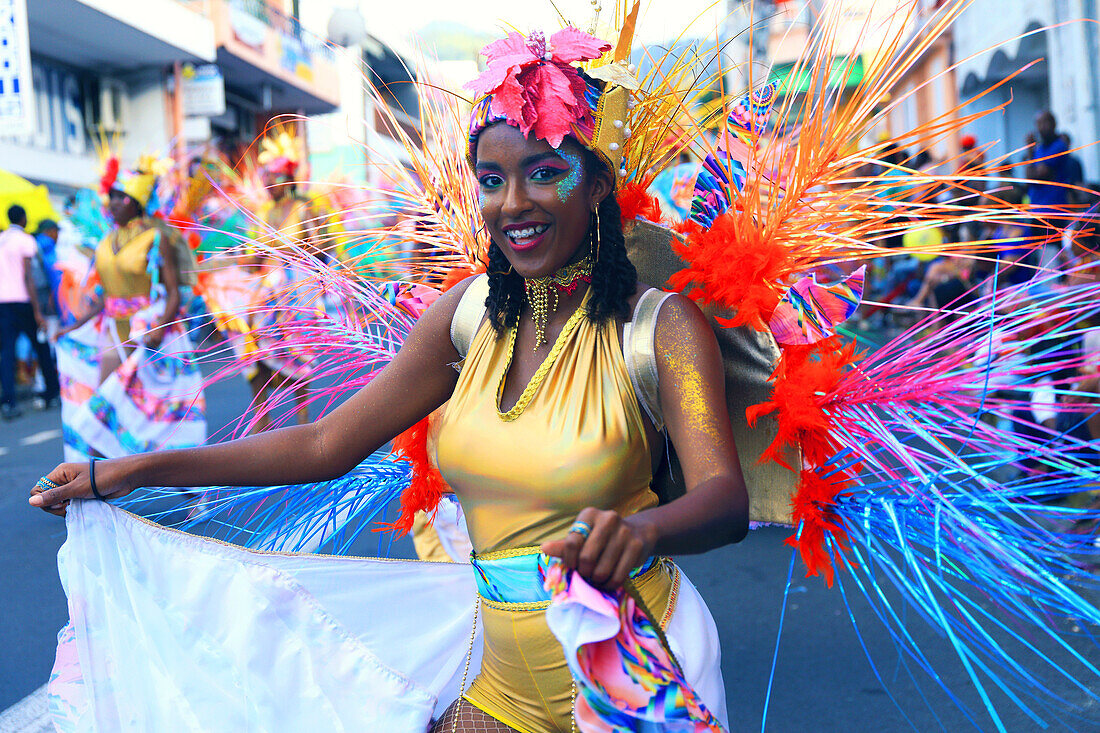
(59, 111)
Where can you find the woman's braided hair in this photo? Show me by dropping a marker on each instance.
(614, 278)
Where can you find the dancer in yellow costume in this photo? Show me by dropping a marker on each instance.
(544, 439)
(288, 220)
(112, 404)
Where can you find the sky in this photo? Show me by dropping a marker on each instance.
(657, 20)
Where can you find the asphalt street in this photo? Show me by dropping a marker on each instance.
(822, 678)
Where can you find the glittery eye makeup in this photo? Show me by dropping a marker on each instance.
(568, 185)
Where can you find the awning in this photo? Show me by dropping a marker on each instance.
(34, 199)
(844, 72)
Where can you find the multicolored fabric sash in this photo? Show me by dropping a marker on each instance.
(627, 678)
(119, 308)
(518, 576)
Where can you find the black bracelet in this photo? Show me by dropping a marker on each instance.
(91, 477)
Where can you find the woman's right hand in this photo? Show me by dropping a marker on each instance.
(73, 482)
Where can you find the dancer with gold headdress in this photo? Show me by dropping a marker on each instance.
(288, 224)
(129, 380)
(564, 378)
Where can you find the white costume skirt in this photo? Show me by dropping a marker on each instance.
(154, 400)
(171, 631)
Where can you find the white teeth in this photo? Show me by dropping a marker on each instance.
(528, 233)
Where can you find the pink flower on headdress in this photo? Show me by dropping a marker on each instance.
(533, 82)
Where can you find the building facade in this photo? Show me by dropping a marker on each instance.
(127, 71)
(1052, 47)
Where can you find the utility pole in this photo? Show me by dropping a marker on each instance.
(750, 32)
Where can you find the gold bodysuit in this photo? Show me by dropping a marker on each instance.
(580, 442)
(124, 274)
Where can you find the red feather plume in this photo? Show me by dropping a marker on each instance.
(813, 505)
(110, 175)
(635, 203)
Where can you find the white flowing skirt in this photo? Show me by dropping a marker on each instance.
(170, 631)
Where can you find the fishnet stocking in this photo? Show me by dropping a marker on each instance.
(469, 720)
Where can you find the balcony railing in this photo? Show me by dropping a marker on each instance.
(285, 24)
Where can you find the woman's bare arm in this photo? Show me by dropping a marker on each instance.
(170, 278)
(418, 380)
(715, 510)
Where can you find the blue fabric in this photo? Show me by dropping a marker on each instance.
(519, 578)
(1045, 194)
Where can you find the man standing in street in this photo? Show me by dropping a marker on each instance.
(1048, 173)
(20, 313)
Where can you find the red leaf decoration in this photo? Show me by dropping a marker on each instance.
(533, 84)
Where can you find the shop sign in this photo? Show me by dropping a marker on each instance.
(203, 90)
(247, 28)
(16, 82)
(295, 57)
(58, 112)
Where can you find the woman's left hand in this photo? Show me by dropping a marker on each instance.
(615, 546)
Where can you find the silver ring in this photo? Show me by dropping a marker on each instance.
(582, 528)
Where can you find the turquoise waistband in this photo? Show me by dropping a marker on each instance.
(516, 576)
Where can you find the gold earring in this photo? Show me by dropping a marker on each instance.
(597, 243)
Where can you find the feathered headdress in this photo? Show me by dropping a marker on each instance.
(534, 83)
(139, 182)
(281, 153)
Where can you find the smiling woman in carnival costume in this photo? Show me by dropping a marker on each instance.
(560, 373)
(542, 368)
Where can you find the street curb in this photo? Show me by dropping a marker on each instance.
(29, 715)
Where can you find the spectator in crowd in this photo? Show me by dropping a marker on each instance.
(20, 313)
(1075, 172)
(47, 278)
(971, 162)
(946, 281)
(1048, 171)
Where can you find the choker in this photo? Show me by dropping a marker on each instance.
(542, 292)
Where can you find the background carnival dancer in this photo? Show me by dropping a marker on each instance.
(288, 223)
(130, 381)
(541, 366)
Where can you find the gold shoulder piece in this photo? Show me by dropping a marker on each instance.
(468, 315)
(640, 356)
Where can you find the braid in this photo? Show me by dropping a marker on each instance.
(506, 292)
(614, 278)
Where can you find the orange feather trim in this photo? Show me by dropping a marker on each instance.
(635, 203)
(457, 274)
(803, 378)
(426, 486)
(733, 265)
(813, 504)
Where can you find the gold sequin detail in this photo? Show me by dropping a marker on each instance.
(542, 290)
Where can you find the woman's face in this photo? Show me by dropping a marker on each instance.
(122, 207)
(536, 200)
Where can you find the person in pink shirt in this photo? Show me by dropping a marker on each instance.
(20, 313)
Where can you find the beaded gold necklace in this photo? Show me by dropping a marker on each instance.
(543, 292)
(529, 391)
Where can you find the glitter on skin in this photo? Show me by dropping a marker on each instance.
(697, 410)
(568, 185)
